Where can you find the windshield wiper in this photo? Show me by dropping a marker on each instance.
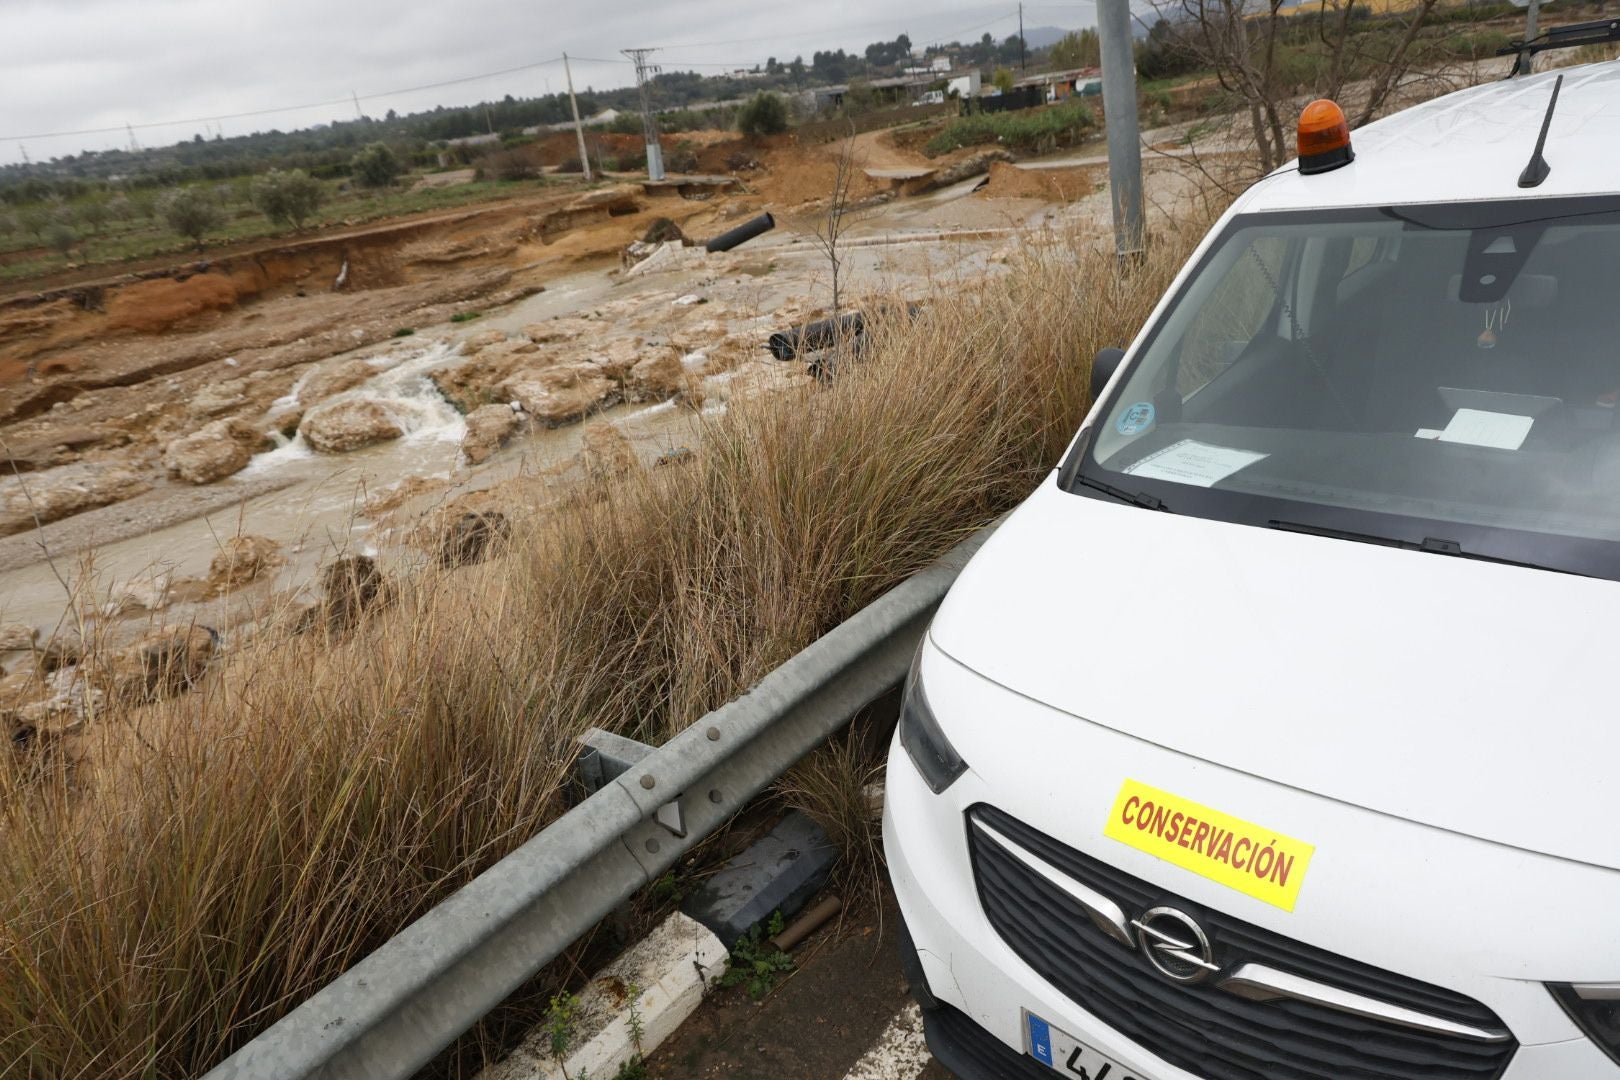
(1135, 498)
(1432, 545)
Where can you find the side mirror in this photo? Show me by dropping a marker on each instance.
(1103, 368)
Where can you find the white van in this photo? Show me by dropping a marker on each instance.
(1274, 736)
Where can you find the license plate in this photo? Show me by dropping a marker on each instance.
(1071, 1057)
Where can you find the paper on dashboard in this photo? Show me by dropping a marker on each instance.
(1476, 427)
(1192, 462)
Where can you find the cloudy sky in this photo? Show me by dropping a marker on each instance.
(78, 65)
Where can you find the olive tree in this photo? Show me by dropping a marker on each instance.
(287, 198)
(61, 238)
(191, 213)
(376, 166)
(93, 213)
(763, 114)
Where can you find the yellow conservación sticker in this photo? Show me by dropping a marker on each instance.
(1239, 854)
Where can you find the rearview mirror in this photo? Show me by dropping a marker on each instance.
(1103, 368)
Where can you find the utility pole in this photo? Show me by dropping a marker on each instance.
(1023, 62)
(358, 114)
(134, 145)
(649, 123)
(1119, 114)
(579, 129)
(1532, 26)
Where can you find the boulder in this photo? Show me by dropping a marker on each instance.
(149, 591)
(221, 397)
(488, 428)
(471, 537)
(17, 637)
(53, 494)
(213, 452)
(340, 426)
(470, 383)
(567, 328)
(350, 587)
(605, 452)
(242, 559)
(480, 340)
(325, 382)
(164, 662)
(561, 394)
(659, 375)
(618, 357)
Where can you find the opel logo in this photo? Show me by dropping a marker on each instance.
(1174, 945)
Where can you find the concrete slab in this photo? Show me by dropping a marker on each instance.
(778, 872)
(656, 984)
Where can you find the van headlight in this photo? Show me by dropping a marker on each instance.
(1595, 1008)
(925, 743)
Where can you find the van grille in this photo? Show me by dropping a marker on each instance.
(1199, 1028)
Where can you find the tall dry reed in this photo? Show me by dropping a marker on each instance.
(222, 855)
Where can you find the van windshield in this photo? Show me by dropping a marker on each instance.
(1443, 377)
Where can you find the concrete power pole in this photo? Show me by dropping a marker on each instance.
(1023, 61)
(579, 129)
(649, 123)
(1119, 113)
(1532, 26)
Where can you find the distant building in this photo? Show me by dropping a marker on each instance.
(895, 90)
(1058, 85)
(474, 140)
(601, 119)
(966, 86)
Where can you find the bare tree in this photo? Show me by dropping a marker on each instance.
(830, 228)
(1244, 43)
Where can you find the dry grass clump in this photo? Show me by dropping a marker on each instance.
(234, 848)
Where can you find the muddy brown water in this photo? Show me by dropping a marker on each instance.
(311, 503)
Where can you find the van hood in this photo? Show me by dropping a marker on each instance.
(1471, 696)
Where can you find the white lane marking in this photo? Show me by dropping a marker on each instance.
(900, 1053)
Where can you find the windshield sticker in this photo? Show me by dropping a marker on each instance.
(1427, 433)
(1135, 418)
(1192, 462)
(1503, 431)
(1241, 855)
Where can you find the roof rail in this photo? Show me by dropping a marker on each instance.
(1562, 37)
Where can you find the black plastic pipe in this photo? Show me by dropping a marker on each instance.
(821, 334)
(825, 333)
(742, 233)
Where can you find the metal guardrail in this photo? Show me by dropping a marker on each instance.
(392, 1012)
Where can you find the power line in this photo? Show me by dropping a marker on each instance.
(842, 28)
(354, 98)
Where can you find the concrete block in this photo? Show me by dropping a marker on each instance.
(779, 872)
(672, 967)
